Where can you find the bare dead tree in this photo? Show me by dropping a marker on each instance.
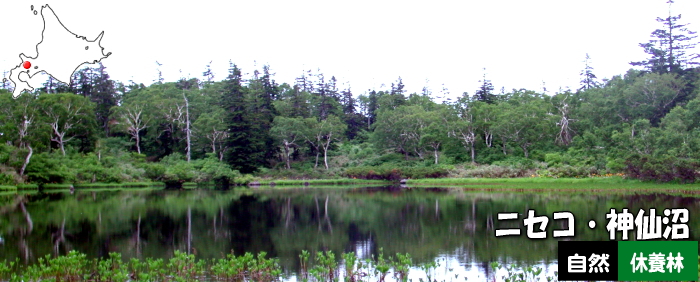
(565, 132)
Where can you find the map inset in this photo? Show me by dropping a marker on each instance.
(59, 54)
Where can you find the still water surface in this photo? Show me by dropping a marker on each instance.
(453, 226)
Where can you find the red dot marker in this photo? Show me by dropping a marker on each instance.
(27, 64)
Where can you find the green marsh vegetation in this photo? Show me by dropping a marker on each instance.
(321, 267)
(248, 267)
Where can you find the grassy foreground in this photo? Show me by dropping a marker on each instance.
(81, 186)
(342, 181)
(322, 266)
(535, 183)
(608, 185)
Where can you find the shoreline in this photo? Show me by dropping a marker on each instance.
(527, 183)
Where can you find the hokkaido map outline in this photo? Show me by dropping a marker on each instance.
(59, 54)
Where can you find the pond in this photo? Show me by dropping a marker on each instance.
(452, 226)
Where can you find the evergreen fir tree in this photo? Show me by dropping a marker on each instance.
(262, 113)
(588, 79)
(669, 46)
(485, 91)
(104, 94)
(241, 154)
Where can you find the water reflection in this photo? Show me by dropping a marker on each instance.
(454, 225)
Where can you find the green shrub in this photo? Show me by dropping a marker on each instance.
(568, 171)
(154, 171)
(49, 168)
(393, 158)
(211, 169)
(8, 176)
(615, 165)
(662, 169)
(517, 163)
(175, 170)
(553, 159)
(386, 172)
(495, 171)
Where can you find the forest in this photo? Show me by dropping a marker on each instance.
(642, 124)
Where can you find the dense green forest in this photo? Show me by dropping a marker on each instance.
(644, 124)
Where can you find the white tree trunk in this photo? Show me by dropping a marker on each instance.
(26, 160)
(287, 154)
(325, 158)
(472, 152)
(436, 152)
(138, 141)
(135, 124)
(187, 127)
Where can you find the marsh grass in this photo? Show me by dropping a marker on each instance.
(522, 273)
(612, 185)
(324, 266)
(120, 185)
(8, 187)
(27, 186)
(85, 185)
(610, 180)
(299, 182)
(58, 186)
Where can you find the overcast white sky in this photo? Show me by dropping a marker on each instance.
(366, 43)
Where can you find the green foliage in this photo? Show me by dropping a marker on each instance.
(255, 125)
(49, 168)
(382, 265)
(249, 114)
(568, 171)
(84, 168)
(175, 170)
(186, 267)
(71, 267)
(211, 169)
(491, 171)
(663, 169)
(401, 265)
(111, 269)
(388, 172)
(668, 46)
(517, 163)
(325, 268)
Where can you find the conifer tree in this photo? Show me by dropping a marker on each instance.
(485, 91)
(588, 79)
(241, 152)
(263, 90)
(668, 49)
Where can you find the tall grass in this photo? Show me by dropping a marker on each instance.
(8, 187)
(120, 185)
(298, 182)
(474, 180)
(324, 266)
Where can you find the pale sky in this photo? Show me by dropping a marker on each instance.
(366, 43)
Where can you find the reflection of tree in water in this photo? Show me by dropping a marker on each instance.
(217, 232)
(326, 221)
(427, 223)
(136, 238)
(59, 237)
(189, 230)
(15, 213)
(23, 233)
(360, 242)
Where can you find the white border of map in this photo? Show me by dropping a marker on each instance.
(59, 54)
